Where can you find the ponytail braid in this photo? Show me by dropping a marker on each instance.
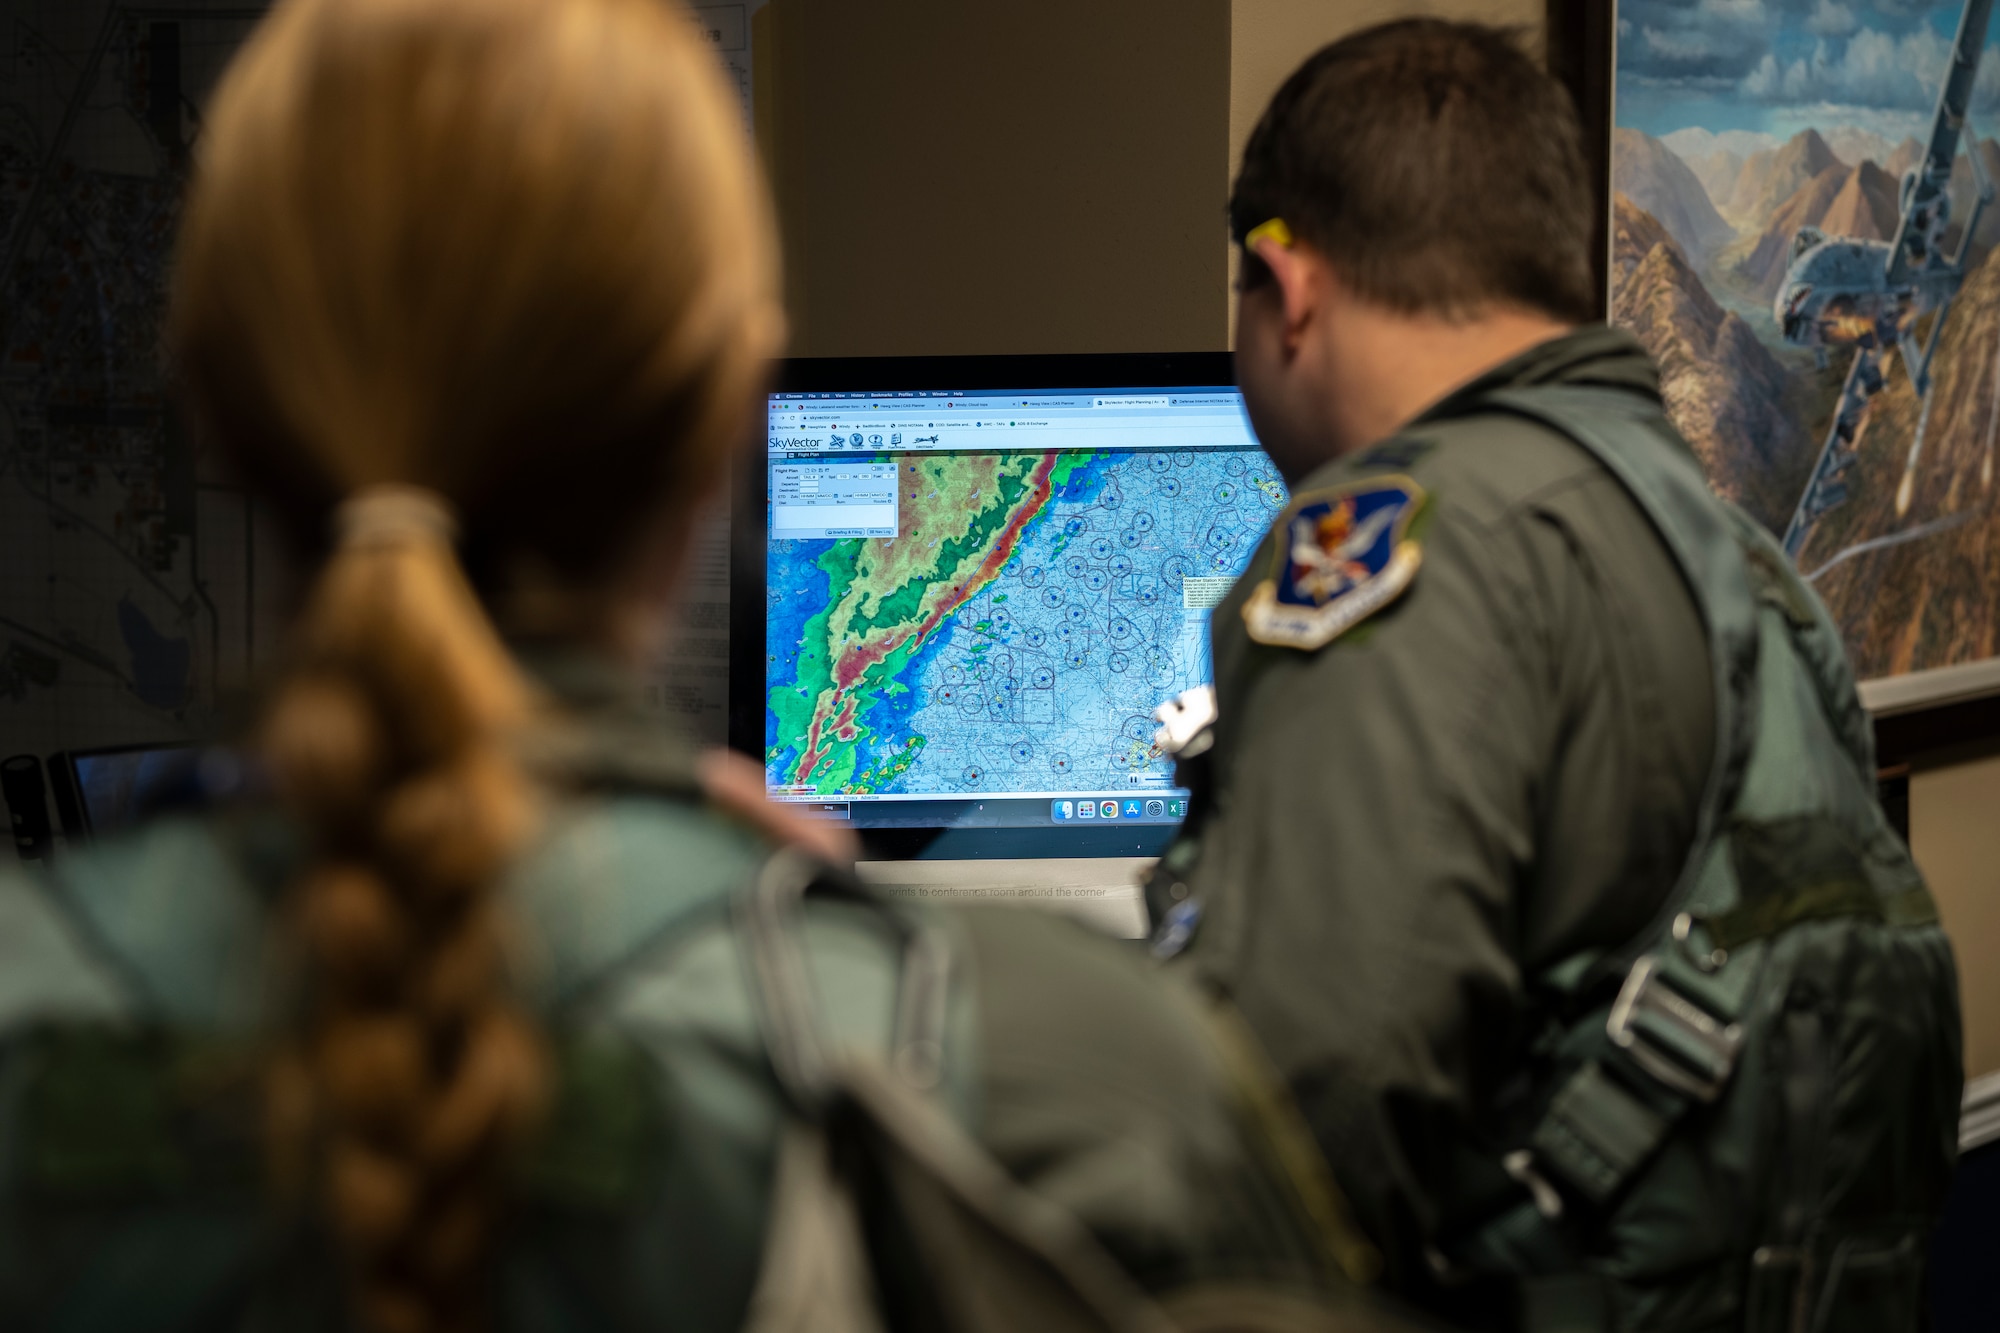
(515, 253)
(415, 1073)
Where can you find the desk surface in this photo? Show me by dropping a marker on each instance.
(1101, 891)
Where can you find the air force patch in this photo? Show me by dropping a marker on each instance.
(1342, 555)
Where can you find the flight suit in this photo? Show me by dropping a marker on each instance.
(140, 983)
(1395, 833)
(1538, 839)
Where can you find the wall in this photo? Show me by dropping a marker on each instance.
(1268, 39)
(141, 591)
(1028, 176)
(1955, 834)
(138, 585)
(1086, 215)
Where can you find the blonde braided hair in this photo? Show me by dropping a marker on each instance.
(492, 284)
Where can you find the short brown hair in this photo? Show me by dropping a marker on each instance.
(1435, 164)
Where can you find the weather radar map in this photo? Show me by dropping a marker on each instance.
(1017, 631)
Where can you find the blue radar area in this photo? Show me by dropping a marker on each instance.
(796, 590)
(1035, 683)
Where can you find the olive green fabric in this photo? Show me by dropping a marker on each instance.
(1497, 772)
(139, 981)
(1780, 1071)
(1631, 716)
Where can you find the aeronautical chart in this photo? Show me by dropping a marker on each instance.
(1017, 632)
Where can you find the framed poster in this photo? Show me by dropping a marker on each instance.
(1802, 230)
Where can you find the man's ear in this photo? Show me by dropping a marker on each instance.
(1297, 273)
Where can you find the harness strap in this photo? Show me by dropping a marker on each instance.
(973, 1225)
(1773, 914)
(766, 915)
(1596, 1135)
(1669, 1042)
(1763, 860)
(1666, 483)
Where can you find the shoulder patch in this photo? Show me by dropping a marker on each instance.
(1342, 555)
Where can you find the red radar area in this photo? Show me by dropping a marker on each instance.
(927, 574)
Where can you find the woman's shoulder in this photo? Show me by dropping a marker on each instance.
(45, 970)
(1115, 1090)
(615, 877)
(168, 924)
(631, 911)
(160, 924)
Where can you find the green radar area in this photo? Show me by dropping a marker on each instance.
(1015, 633)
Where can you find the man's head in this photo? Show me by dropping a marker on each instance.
(1423, 171)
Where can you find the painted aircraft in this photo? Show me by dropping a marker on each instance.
(1871, 295)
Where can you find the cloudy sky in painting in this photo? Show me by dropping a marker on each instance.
(1778, 66)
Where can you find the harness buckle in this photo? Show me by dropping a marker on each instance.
(1670, 1036)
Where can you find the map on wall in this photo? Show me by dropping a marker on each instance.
(1017, 631)
(129, 568)
(140, 589)
(1802, 237)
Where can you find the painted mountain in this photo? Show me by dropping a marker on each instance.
(1810, 115)
(1647, 172)
(1840, 201)
(1716, 158)
(1930, 602)
(1728, 395)
(1717, 172)
(1767, 179)
(1906, 155)
(1854, 146)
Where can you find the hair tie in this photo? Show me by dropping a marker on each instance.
(392, 516)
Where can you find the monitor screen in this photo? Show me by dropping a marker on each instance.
(116, 788)
(976, 597)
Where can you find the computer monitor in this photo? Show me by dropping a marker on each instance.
(968, 582)
(100, 792)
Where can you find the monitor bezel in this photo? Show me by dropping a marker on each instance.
(66, 781)
(747, 554)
